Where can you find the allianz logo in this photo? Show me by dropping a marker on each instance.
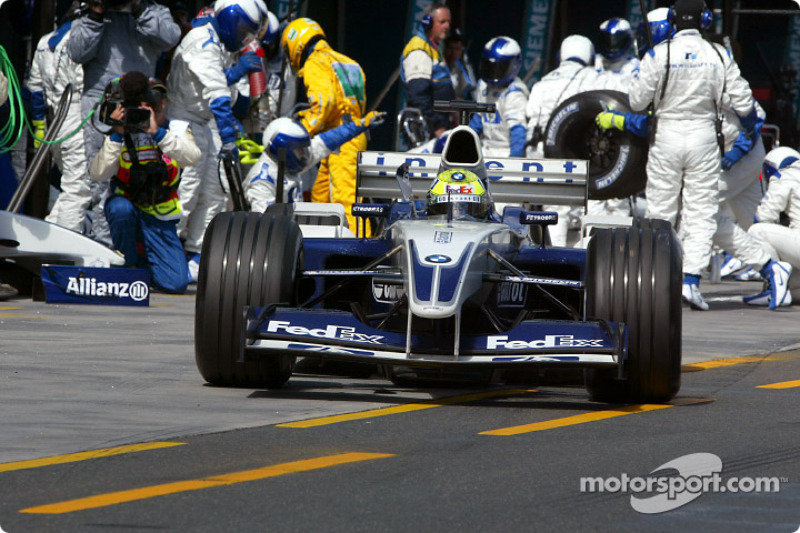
(80, 286)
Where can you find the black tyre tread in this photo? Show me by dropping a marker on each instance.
(647, 299)
(571, 142)
(247, 259)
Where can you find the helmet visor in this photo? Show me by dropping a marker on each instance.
(462, 206)
(614, 45)
(768, 172)
(297, 158)
(497, 71)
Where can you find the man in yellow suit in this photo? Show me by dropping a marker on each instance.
(335, 90)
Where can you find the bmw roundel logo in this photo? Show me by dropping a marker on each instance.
(457, 176)
(438, 258)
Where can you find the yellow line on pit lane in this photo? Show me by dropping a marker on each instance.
(592, 417)
(719, 363)
(574, 420)
(114, 498)
(427, 404)
(84, 456)
(781, 385)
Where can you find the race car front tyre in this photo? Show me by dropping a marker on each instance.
(617, 159)
(633, 276)
(248, 259)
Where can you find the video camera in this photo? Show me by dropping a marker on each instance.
(136, 118)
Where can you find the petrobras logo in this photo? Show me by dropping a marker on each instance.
(370, 209)
(495, 342)
(387, 292)
(80, 286)
(341, 333)
(546, 217)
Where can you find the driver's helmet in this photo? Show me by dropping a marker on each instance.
(461, 192)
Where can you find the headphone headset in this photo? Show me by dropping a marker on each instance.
(706, 17)
(427, 19)
(427, 22)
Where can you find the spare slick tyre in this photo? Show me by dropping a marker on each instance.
(617, 159)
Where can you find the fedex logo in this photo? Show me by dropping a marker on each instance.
(343, 333)
(459, 189)
(494, 342)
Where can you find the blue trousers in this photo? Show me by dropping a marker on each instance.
(163, 255)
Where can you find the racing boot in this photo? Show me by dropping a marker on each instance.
(777, 273)
(730, 265)
(194, 266)
(748, 274)
(691, 293)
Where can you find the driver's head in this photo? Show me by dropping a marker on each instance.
(460, 192)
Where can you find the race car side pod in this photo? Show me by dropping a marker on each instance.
(348, 274)
(233, 171)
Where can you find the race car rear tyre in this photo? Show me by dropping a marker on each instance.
(248, 259)
(633, 276)
(617, 159)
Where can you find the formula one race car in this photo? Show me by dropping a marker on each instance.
(432, 290)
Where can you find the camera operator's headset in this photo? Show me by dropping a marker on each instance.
(706, 17)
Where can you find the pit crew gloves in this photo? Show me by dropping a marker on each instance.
(517, 136)
(226, 125)
(248, 62)
(635, 123)
(38, 132)
(741, 146)
(336, 137)
(611, 119)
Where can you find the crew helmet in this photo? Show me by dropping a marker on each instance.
(292, 136)
(577, 48)
(460, 192)
(616, 39)
(660, 28)
(778, 159)
(270, 36)
(298, 38)
(238, 21)
(500, 61)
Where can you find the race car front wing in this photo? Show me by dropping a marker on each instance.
(340, 335)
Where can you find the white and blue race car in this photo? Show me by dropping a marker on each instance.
(442, 294)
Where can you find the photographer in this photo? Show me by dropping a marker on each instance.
(109, 38)
(142, 157)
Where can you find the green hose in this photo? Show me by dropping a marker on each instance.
(11, 131)
(17, 114)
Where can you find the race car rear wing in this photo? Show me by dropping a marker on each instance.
(510, 180)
